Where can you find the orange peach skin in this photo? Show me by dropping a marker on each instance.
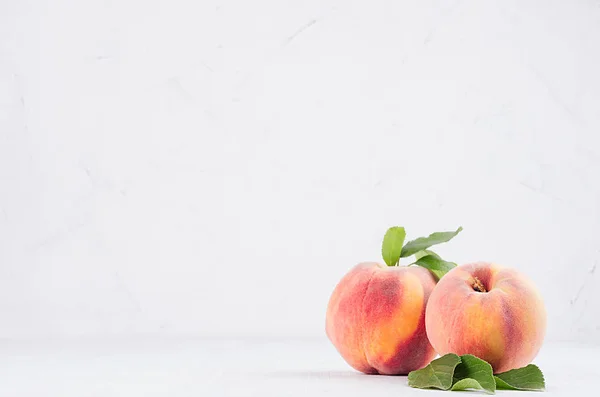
(376, 318)
(504, 326)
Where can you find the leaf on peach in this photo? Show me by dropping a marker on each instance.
(422, 243)
(435, 265)
(423, 253)
(391, 247)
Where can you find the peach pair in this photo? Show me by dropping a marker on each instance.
(393, 320)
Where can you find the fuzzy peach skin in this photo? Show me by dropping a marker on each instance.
(505, 325)
(376, 318)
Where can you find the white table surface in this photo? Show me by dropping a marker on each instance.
(201, 367)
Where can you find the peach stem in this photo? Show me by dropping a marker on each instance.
(478, 285)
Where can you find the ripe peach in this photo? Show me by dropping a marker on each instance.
(489, 311)
(376, 318)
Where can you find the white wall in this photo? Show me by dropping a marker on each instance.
(214, 167)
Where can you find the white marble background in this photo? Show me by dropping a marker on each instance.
(212, 168)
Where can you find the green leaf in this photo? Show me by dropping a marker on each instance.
(474, 373)
(468, 384)
(435, 265)
(438, 374)
(420, 254)
(526, 378)
(502, 385)
(392, 245)
(467, 372)
(422, 243)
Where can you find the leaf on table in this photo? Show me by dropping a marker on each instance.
(474, 373)
(468, 384)
(526, 378)
(468, 372)
(438, 374)
(422, 243)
